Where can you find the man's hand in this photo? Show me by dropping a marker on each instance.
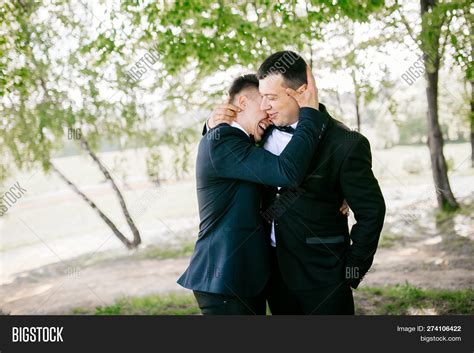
(224, 113)
(344, 209)
(306, 95)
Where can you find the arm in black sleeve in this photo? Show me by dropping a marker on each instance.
(363, 194)
(234, 156)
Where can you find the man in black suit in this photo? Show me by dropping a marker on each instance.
(315, 261)
(230, 266)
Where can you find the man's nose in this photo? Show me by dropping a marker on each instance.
(264, 105)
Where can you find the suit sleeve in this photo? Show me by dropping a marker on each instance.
(363, 194)
(234, 156)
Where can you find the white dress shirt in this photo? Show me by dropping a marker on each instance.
(238, 126)
(275, 144)
(233, 124)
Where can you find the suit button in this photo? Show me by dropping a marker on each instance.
(276, 223)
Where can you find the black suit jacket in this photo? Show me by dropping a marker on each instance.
(314, 247)
(231, 254)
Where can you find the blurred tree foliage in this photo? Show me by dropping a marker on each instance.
(461, 37)
(430, 33)
(65, 66)
(351, 51)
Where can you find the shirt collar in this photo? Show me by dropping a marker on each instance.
(292, 125)
(238, 126)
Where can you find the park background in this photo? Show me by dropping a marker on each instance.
(101, 109)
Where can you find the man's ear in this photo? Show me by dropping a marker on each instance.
(242, 102)
(302, 88)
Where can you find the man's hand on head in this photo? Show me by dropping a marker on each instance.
(306, 95)
(224, 113)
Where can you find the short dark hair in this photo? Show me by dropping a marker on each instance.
(287, 63)
(241, 83)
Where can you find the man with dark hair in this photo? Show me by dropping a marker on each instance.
(240, 84)
(315, 259)
(230, 267)
(290, 65)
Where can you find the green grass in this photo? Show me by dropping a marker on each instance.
(394, 300)
(162, 252)
(169, 304)
(387, 239)
(448, 213)
(400, 299)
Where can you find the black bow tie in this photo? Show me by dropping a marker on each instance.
(287, 129)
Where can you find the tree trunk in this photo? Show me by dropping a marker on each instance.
(358, 114)
(136, 234)
(444, 195)
(472, 123)
(469, 20)
(107, 221)
(357, 99)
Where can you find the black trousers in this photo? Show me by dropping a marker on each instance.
(222, 304)
(332, 300)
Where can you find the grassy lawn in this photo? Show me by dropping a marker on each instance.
(388, 240)
(465, 209)
(162, 252)
(169, 304)
(409, 300)
(395, 300)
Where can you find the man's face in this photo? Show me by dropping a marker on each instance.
(281, 108)
(254, 120)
